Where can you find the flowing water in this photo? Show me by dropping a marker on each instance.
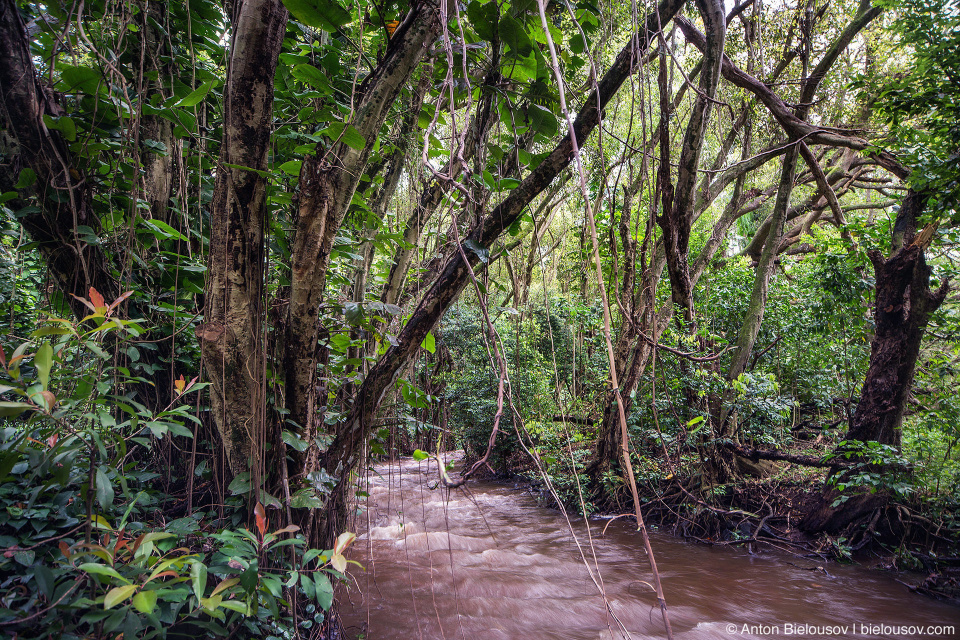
(492, 564)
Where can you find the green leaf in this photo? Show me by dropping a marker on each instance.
(293, 440)
(420, 455)
(105, 493)
(163, 231)
(515, 36)
(291, 167)
(27, 178)
(310, 75)
(347, 134)
(353, 313)
(236, 605)
(309, 586)
(43, 361)
(324, 590)
(145, 601)
(102, 570)
(240, 484)
(117, 595)
(196, 96)
(259, 172)
(84, 79)
(542, 120)
(340, 342)
(483, 17)
(481, 252)
(198, 578)
(319, 14)
(429, 343)
(10, 409)
(304, 499)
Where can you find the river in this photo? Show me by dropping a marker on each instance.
(491, 564)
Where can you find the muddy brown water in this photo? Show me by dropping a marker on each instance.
(490, 564)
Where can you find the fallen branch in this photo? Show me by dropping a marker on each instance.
(585, 422)
(683, 354)
(756, 455)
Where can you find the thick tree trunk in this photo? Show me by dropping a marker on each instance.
(753, 318)
(232, 334)
(327, 185)
(902, 308)
(63, 193)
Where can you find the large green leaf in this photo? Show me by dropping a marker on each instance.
(429, 343)
(145, 601)
(83, 79)
(10, 409)
(310, 75)
(324, 590)
(515, 36)
(198, 578)
(43, 361)
(483, 17)
(101, 570)
(105, 493)
(319, 14)
(542, 120)
(348, 134)
(196, 96)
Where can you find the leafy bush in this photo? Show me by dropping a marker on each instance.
(81, 558)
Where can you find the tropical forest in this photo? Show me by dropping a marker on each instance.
(510, 319)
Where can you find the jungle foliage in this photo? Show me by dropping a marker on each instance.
(249, 248)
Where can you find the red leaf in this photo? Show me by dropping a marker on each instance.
(97, 299)
(85, 302)
(261, 519)
(116, 303)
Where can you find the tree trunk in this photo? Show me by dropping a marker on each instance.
(753, 318)
(437, 189)
(677, 216)
(231, 337)
(902, 308)
(157, 164)
(63, 193)
(327, 185)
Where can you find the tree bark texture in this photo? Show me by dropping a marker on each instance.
(677, 216)
(327, 184)
(902, 308)
(62, 191)
(157, 165)
(232, 334)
